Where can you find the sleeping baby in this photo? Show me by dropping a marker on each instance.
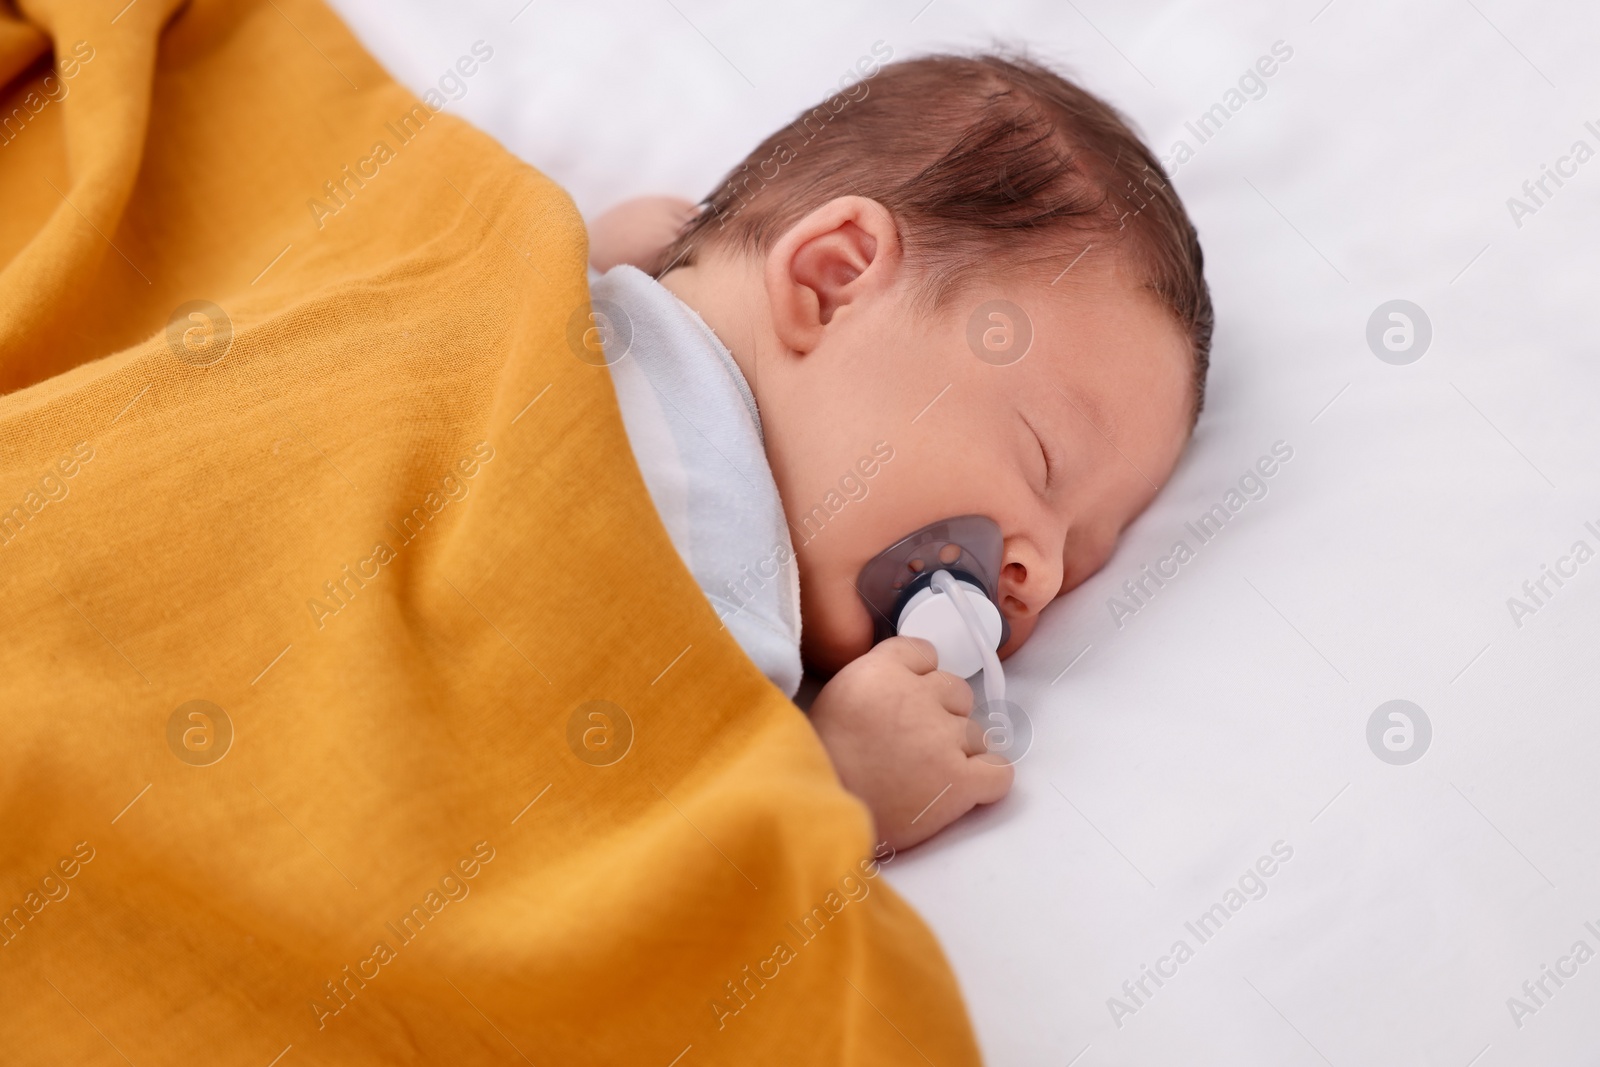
(959, 287)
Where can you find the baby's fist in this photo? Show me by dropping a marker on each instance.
(897, 731)
(636, 231)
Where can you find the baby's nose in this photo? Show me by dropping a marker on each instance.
(1024, 587)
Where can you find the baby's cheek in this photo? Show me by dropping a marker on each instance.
(1083, 561)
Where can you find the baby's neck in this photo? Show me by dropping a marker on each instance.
(727, 293)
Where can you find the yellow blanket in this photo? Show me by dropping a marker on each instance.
(356, 707)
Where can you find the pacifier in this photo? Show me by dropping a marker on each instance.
(942, 583)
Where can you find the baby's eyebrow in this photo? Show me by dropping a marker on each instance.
(1091, 411)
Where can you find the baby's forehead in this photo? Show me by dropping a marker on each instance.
(1104, 320)
(1127, 379)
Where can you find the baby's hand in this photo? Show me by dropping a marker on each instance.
(636, 231)
(896, 729)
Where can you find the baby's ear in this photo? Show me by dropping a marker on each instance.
(844, 252)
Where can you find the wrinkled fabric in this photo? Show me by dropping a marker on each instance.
(338, 725)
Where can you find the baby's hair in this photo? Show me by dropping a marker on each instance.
(990, 164)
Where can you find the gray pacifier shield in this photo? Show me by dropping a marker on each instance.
(968, 546)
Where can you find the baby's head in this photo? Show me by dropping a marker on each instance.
(960, 286)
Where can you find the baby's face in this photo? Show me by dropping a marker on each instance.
(1062, 448)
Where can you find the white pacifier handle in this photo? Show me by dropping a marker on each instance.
(994, 680)
(966, 642)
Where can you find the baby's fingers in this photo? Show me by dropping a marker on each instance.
(914, 653)
(988, 778)
(953, 692)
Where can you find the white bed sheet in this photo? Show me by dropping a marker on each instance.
(1230, 712)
